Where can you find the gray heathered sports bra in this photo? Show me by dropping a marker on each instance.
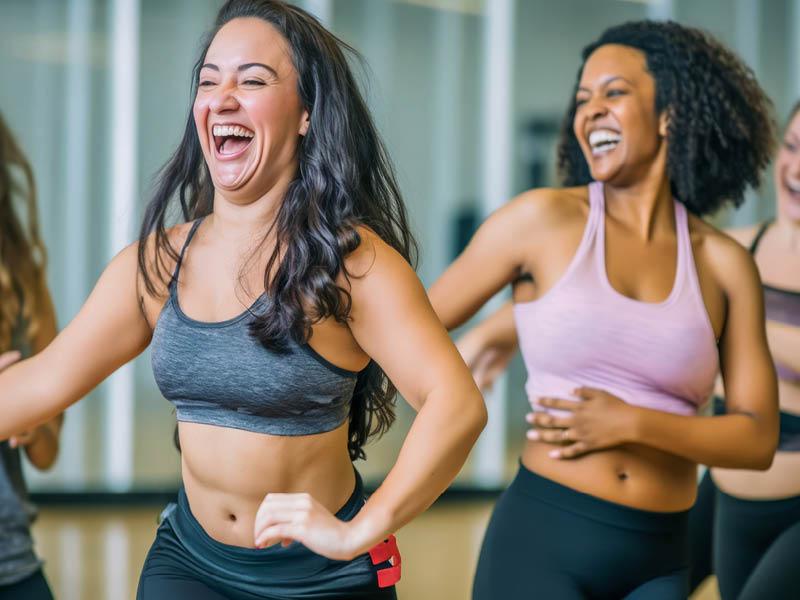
(218, 374)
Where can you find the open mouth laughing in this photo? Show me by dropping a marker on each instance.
(231, 140)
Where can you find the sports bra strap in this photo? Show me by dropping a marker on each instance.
(757, 240)
(173, 282)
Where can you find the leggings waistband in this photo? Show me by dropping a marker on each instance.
(756, 508)
(591, 507)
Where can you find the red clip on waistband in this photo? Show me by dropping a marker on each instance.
(387, 550)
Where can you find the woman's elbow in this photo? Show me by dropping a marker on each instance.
(764, 453)
(761, 451)
(758, 462)
(477, 416)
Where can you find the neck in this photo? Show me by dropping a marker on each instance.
(787, 234)
(645, 206)
(244, 220)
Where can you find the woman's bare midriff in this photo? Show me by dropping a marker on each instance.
(782, 479)
(227, 472)
(630, 475)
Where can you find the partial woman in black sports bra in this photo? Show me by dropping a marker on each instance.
(745, 525)
(284, 313)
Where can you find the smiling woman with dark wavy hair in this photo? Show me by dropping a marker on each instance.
(627, 304)
(283, 312)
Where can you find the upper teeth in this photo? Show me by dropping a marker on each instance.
(603, 136)
(237, 130)
(795, 187)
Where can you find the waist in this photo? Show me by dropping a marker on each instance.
(228, 472)
(631, 475)
(781, 480)
(787, 374)
(185, 521)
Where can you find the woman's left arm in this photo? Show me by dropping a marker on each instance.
(393, 322)
(744, 438)
(41, 443)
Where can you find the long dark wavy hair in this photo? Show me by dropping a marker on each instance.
(721, 129)
(344, 180)
(23, 258)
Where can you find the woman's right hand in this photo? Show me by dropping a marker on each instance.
(9, 358)
(487, 358)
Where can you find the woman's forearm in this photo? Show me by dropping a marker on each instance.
(499, 328)
(27, 399)
(43, 450)
(733, 441)
(434, 451)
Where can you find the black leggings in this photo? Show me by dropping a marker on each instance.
(546, 540)
(755, 544)
(33, 588)
(701, 533)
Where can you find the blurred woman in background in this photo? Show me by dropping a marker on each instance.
(27, 325)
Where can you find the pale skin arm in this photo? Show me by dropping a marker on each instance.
(41, 443)
(489, 347)
(109, 330)
(784, 342)
(394, 324)
(744, 438)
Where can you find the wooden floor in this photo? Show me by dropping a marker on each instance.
(96, 554)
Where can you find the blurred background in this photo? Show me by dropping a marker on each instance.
(468, 94)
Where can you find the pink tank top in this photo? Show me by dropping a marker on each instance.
(583, 332)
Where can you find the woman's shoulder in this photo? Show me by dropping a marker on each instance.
(166, 249)
(154, 260)
(725, 253)
(372, 251)
(744, 235)
(544, 210)
(733, 242)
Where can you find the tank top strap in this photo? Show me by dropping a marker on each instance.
(687, 269)
(760, 234)
(596, 197)
(174, 281)
(596, 229)
(597, 213)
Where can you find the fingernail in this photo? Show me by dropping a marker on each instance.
(532, 434)
(554, 454)
(529, 417)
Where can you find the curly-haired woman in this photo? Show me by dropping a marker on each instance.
(750, 519)
(275, 315)
(626, 305)
(27, 325)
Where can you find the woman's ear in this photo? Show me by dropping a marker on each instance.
(305, 122)
(663, 123)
